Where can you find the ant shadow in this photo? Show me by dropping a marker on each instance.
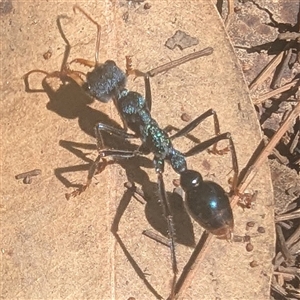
(71, 102)
(134, 173)
(153, 211)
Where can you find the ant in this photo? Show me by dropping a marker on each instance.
(206, 201)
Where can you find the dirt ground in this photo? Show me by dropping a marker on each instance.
(53, 248)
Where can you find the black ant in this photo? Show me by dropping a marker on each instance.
(206, 201)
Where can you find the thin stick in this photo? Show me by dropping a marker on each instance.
(180, 61)
(230, 13)
(31, 173)
(192, 267)
(282, 159)
(267, 150)
(283, 246)
(295, 142)
(267, 71)
(278, 288)
(286, 276)
(194, 264)
(288, 216)
(273, 93)
(298, 29)
(286, 58)
(292, 243)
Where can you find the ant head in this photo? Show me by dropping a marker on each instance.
(105, 81)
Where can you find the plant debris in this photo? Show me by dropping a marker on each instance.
(274, 84)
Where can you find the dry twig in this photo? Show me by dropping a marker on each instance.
(230, 13)
(283, 246)
(267, 71)
(293, 246)
(269, 68)
(276, 92)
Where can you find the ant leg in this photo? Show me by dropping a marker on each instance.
(138, 73)
(97, 50)
(130, 70)
(84, 62)
(121, 133)
(161, 186)
(91, 173)
(204, 145)
(192, 125)
(115, 131)
(96, 168)
(169, 218)
(63, 75)
(148, 95)
(75, 75)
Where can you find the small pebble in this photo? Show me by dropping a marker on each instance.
(238, 239)
(147, 5)
(186, 117)
(47, 54)
(261, 229)
(253, 264)
(249, 225)
(249, 247)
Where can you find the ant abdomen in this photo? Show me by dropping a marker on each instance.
(208, 203)
(105, 81)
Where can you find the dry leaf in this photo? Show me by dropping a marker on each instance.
(55, 249)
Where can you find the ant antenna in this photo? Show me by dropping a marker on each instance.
(97, 50)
